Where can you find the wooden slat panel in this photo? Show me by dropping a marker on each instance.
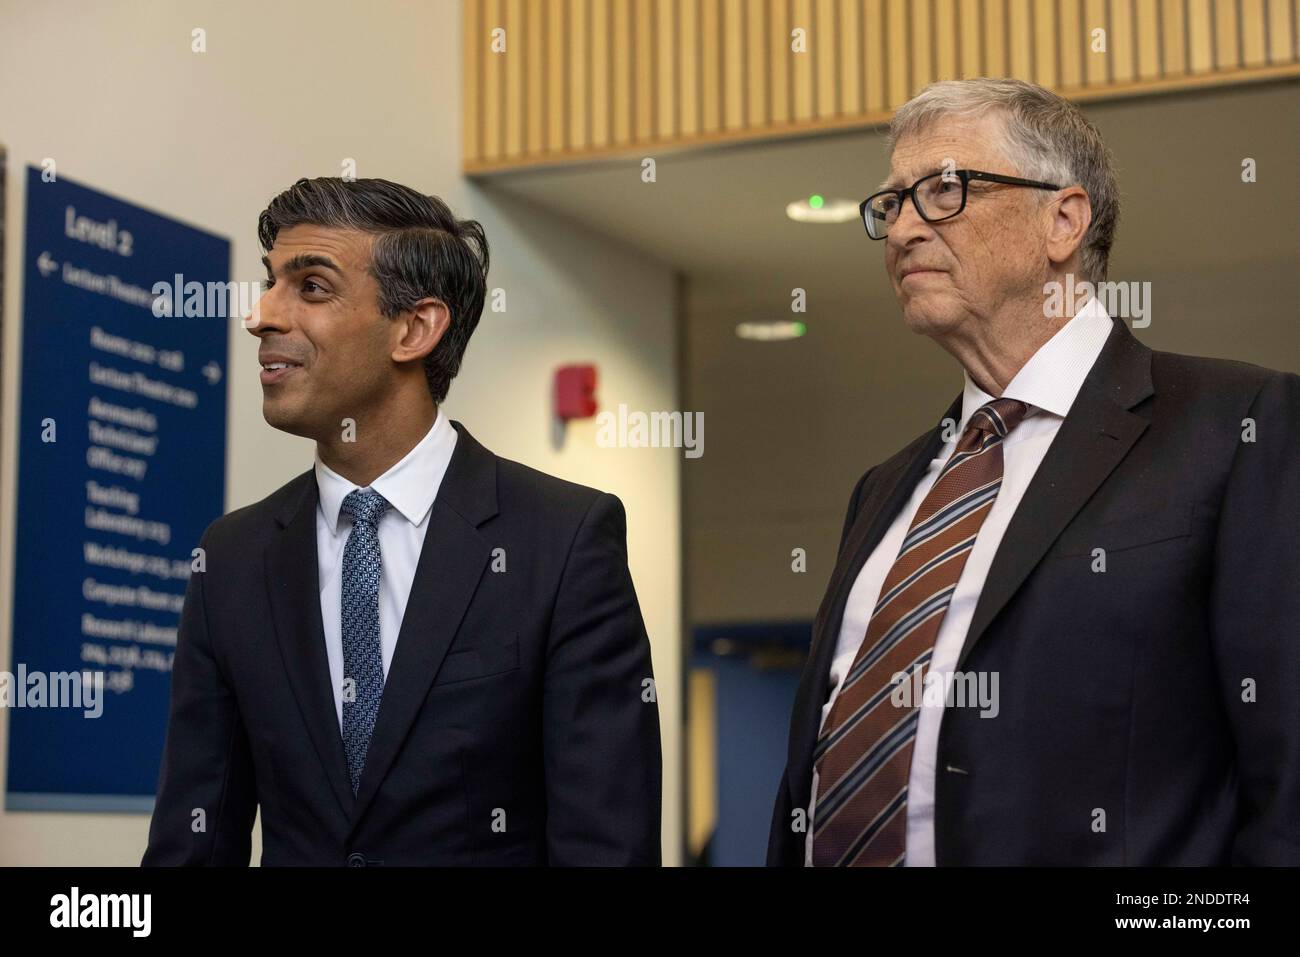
(778, 30)
(945, 36)
(1121, 41)
(579, 76)
(494, 68)
(556, 114)
(825, 39)
(1148, 39)
(971, 29)
(624, 108)
(1174, 37)
(535, 27)
(995, 46)
(514, 82)
(1200, 36)
(922, 64)
(1045, 38)
(710, 65)
(733, 64)
(1074, 51)
(873, 57)
(643, 125)
(688, 14)
(850, 32)
(896, 44)
(600, 75)
(579, 54)
(1254, 30)
(756, 65)
(1020, 51)
(802, 63)
(472, 110)
(1096, 66)
(667, 67)
(1226, 52)
(1281, 43)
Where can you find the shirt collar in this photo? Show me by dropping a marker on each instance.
(410, 486)
(1052, 377)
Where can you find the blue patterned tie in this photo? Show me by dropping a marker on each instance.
(363, 661)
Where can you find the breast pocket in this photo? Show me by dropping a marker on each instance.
(1115, 535)
(480, 661)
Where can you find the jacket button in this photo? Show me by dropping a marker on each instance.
(356, 859)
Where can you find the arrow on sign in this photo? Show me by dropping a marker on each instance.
(213, 373)
(46, 265)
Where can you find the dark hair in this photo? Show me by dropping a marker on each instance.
(421, 249)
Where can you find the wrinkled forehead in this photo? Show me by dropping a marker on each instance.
(948, 141)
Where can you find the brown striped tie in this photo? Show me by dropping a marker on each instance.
(864, 752)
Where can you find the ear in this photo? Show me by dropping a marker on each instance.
(1071, 214)
(422, 328)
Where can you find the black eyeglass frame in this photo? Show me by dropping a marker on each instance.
(965, 175)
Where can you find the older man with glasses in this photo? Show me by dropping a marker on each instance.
(1063, 626)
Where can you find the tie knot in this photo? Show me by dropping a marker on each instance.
(998, 417)
(365, 505)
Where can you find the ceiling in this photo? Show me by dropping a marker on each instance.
(717, 214)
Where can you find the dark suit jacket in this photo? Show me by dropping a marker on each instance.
(516, 726)
(1120, 690)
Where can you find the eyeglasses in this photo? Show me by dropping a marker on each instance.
(936, 197)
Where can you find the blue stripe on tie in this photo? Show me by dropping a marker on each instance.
(935, 604)
(996, 417)
(881, 819)
(957, 458)
(884, 749)
(916, 575)
(949, 514)
(828, 742)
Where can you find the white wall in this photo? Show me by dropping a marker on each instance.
(113, 93)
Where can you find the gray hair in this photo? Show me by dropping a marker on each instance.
(1045, 137)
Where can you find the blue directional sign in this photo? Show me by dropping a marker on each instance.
(121, 445)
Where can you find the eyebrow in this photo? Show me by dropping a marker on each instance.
(304, 261)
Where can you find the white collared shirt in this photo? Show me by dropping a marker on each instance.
(1048, 383)
(410, 487)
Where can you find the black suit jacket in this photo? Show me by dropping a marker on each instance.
(1121, 691)
(517, 724)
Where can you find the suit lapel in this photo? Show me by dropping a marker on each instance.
(292, 581)
(883, 496)
(452, 561)
(1095, 436)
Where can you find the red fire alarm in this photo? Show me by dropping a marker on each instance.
(575, 392)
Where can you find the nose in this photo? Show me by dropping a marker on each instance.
(266, 317)
(909, 228)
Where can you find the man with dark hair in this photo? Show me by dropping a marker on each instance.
(415, 652)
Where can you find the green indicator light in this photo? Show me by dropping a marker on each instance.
(815, 201)
(800, 328)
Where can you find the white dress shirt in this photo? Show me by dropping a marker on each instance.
(410, 487)
(1048, 384)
